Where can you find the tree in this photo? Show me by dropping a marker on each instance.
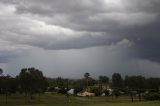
(86, 76)
(117, 80)
(135, 83)
(103, 80)
(141, 85)
(32, 81)
(8, 85)
(128, 84)
(60, 82)
(117, 83)
(5, 83)
(1, 71)
(80, 83)
(153, 83)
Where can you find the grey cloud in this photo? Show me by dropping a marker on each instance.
(10, 51)
(134, 20)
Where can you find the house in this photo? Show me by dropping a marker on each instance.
(70, 92)
(85, 93)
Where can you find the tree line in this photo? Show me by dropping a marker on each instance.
(31, 81)
(129, 85)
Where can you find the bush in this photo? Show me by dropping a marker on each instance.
(62, 91)
(96, 91)
(116, 92)
(77, 89)
(51, 89)
(106, 92)
(152, 96)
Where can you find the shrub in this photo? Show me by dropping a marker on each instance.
(62, 91)
(106, 92)
(152, 96)
(77, 89)
(95, 90)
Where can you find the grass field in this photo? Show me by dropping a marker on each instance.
(62, 100)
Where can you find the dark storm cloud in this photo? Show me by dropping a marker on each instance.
(75, 24)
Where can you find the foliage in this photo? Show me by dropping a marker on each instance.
(32, 81)
(135, 82)
(106, 92)
(63, 90)
(103, 79)
(96, 90)
(86, 75)
(8, 84)
(117, 81)
(51, 82)
(1, 71)
(152, 96)
(116, 92)
(153, 83)
(77, 89)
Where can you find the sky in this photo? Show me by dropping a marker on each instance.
(70, 37)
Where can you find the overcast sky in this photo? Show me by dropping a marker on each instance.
(70, 37)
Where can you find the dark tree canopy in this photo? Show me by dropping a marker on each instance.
(32, 80)
(135, 82)
(117, 80)
(153, 83)
(86, 75)
(1, 71)
(104, 79)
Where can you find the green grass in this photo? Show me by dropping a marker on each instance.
(128, 104)
(62, 100)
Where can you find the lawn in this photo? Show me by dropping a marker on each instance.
(62, 100)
